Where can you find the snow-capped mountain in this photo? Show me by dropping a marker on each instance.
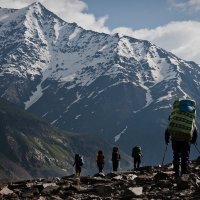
(112, 85)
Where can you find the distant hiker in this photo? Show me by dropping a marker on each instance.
(78, 163)
(100, 161)
(182, 131)
(137, 154)
(115, 158)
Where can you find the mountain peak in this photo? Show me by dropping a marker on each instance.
(38, 8)
(36, 4)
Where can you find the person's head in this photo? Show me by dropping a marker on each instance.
(76, 156)
(100, 152)
(115, 149)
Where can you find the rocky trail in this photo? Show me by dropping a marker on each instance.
(147, 183)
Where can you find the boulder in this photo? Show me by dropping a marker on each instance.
(50, 189)
(161, 176)
(134, 191)
(6, 191)
(101, 174)
(143, 179)
(116, 178)
(103, 190)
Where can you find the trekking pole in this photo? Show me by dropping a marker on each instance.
(196, 148)
(164, 154)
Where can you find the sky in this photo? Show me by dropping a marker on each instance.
(171, 24)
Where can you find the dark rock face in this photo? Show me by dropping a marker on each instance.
(32, 148)
(146, 183)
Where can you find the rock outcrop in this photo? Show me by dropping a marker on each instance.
(146, 183)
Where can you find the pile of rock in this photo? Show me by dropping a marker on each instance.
(146, 183)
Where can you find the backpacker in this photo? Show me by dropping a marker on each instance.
(182, 120)
(136, 152)
(115, 149)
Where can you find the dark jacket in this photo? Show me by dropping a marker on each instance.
(116, 156)
(77, 161)
(100, 158)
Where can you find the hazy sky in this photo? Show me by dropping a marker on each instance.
(171, 24)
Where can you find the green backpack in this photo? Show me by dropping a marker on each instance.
(182, 120)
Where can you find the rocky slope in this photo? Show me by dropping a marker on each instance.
(146, 183)
(31, 147)
(114, 86)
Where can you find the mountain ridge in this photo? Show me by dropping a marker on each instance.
(30, 147)
(113, 86)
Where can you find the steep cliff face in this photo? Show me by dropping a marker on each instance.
(31, 147)
(113, 86)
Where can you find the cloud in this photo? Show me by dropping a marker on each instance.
(68, 10)
(15, 3)
(186, 5)
(180, 38)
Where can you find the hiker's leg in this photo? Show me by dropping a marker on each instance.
(176, 157)
(115, 166)
(139, 162)
(185, 157)
(79, 170)
(76, 170)
(135, 162)
(100, 168)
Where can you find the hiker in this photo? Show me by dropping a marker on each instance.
(182, 131)
(100, 161)
(137, 154)
(115, 158)
(78, 162)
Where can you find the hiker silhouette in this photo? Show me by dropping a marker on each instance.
(136, 154)
(182, 131)
(78, 162)
(100, 161)
(115, 158)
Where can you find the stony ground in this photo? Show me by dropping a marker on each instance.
(146, 183)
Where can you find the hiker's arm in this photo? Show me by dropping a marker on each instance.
(194, 137)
